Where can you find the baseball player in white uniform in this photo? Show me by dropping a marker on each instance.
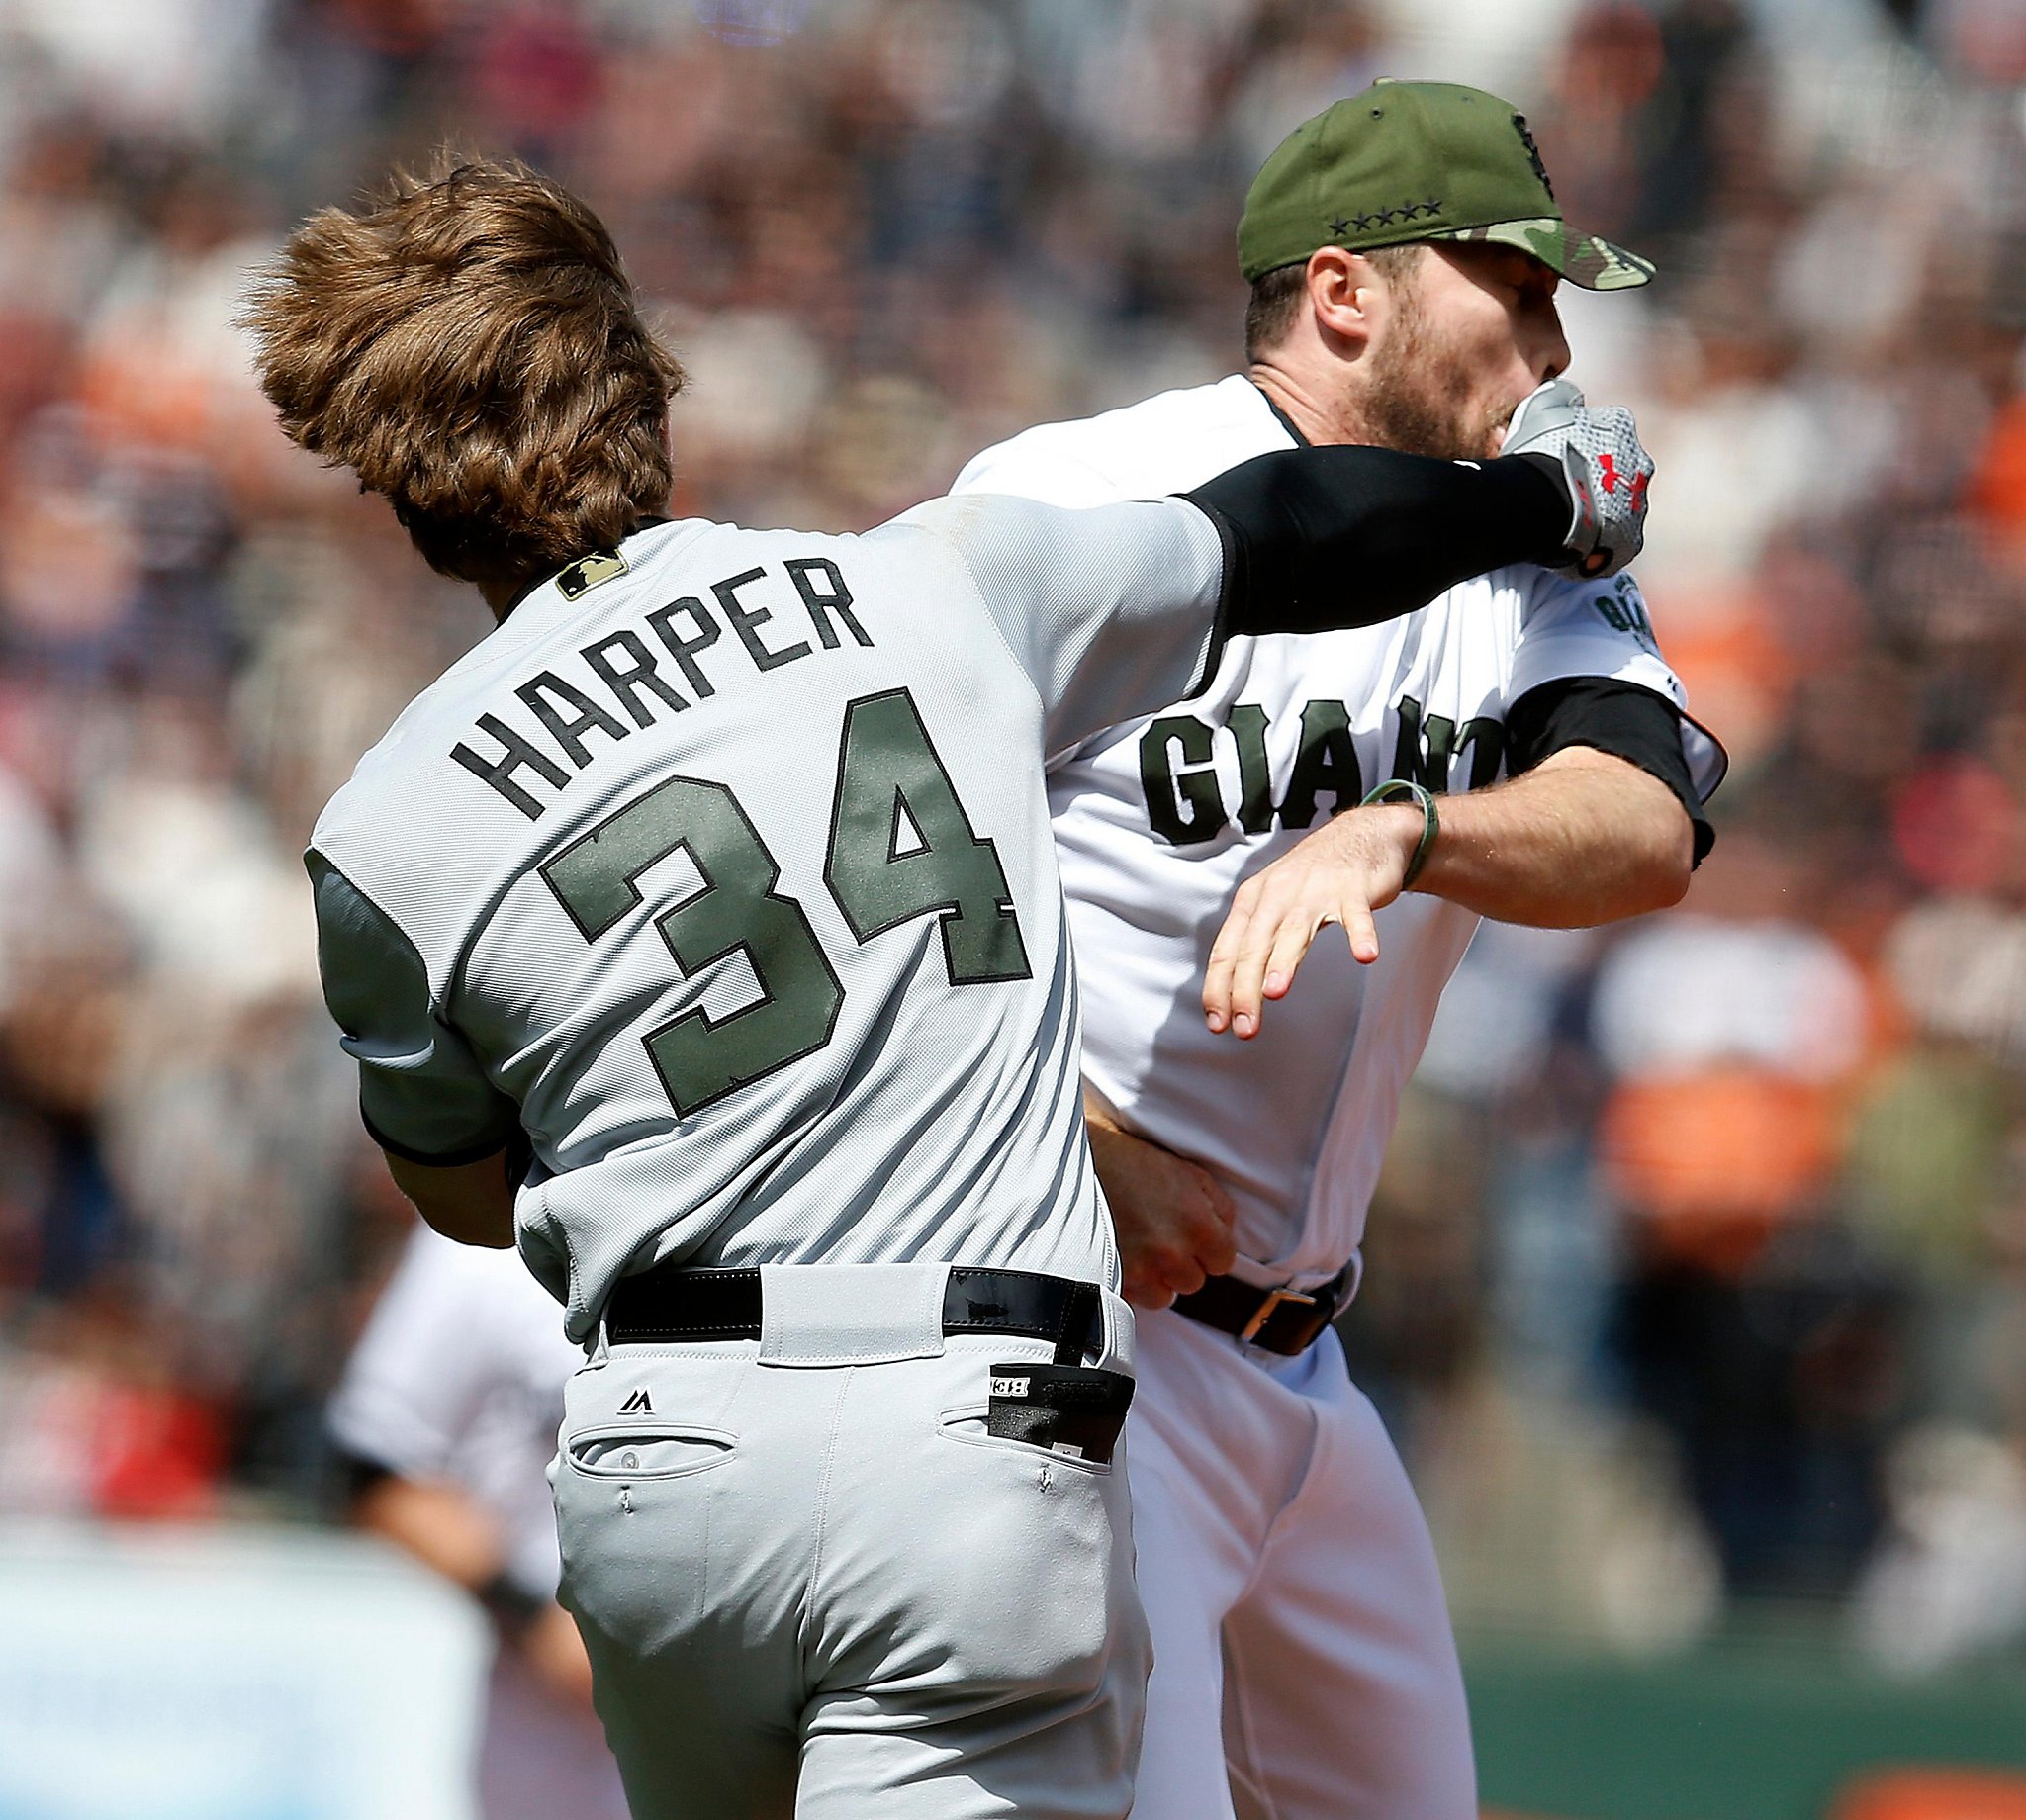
(703, 924)
(1404, 247)
(446, 1415)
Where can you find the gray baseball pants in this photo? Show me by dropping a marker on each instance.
(811, 1583)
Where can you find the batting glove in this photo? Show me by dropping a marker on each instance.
(1597, 456)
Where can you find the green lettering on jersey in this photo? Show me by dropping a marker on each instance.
(702, 1059)
(1326, 761)
(1427, 746)
(1183, 803)
(1624, 609)
(902, 847)
(1424, 748)
(1248, 725)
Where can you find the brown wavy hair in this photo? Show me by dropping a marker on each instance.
(469, 344)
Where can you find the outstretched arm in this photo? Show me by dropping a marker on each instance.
(1346, 535)
(1583, 838)
(445, 1529)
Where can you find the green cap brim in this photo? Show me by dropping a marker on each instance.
(1582, 259)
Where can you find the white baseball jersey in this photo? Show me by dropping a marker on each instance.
(1158, 820)
(459, 1376)
(723, 868)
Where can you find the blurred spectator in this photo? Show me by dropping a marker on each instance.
(445, 1418)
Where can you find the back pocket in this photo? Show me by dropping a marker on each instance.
(631, 1451)
(1075, 1411)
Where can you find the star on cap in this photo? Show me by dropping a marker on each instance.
(1341, 225)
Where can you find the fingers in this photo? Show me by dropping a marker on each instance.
(1224, 953)
(1158, 1278)
(1279, 932)
(1363, 933)
(1235, 980)
(1143, 1289)
(1210, 1228)
(1256, 956)
(1219, 1250)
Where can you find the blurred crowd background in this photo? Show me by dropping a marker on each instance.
(1699, 1275)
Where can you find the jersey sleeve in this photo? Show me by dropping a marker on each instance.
(1601, 629)
(422, 1092)
(1620, 718)
(419, 1368)
(1112, 612)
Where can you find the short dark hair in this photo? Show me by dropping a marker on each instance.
(470, 346)
(1275, 301)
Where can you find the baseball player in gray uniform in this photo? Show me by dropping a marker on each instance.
(1404, 248)
(703, 926)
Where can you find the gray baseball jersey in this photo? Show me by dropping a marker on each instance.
(723, 869)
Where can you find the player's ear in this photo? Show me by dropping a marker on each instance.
(1348, 299)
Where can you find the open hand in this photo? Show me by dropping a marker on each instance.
(1341, 873)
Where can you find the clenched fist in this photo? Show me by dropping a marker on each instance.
(1605, 472)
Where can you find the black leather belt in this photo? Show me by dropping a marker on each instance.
(1273, 1320)
(672, 1305)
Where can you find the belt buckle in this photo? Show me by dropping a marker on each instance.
(1269, 1308)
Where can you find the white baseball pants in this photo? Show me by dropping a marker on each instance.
(811, 1583)
(1303, 1667)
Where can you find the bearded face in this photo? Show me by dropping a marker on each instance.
(1471, 329)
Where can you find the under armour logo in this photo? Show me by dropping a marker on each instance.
(1609, 475)
(639, 1403)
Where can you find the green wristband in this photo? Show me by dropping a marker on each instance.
(1400, 790)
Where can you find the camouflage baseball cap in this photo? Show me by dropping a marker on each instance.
(1417, 161)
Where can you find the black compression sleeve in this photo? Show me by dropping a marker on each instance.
(1349, 535)
(1621, 719)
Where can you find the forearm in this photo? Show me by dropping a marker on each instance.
(439, 1524)
(447, 1529)
(1349, 536)
(1584, 837)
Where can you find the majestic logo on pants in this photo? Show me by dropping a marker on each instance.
(639, 1403)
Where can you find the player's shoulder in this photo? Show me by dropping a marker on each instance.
(1163, 444)
(565, 608)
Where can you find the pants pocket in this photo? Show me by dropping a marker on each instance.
(1073, 1414)
(633, 1451)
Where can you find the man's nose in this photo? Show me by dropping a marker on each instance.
(1550, 345)
(1551, 349)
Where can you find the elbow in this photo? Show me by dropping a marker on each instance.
(1670, 865)
(1669, 885)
